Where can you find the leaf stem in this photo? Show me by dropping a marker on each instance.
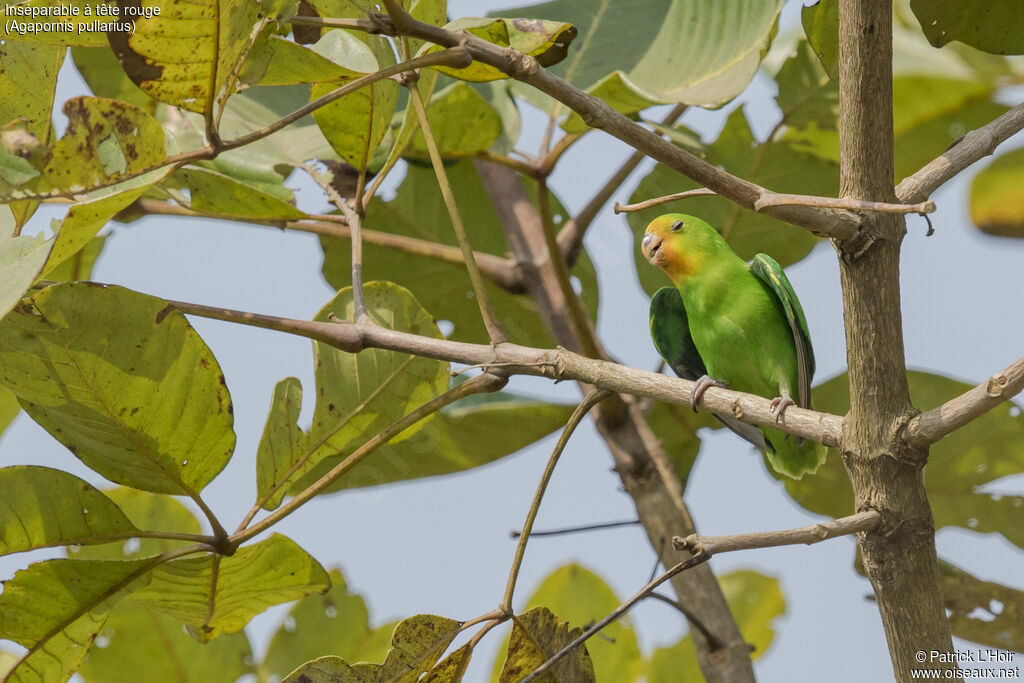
(494, 329)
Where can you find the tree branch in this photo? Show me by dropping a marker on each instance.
(770, 199)
(598, 114)
(929, 427)
(570, 237)
(815, 533)
(658, 201)
(970, 148)
(619, 611)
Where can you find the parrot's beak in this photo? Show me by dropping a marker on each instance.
(651, 246)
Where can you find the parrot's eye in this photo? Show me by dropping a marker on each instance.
(677, 226)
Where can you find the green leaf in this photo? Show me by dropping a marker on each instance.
(806, 93)
(442, 287)
(216, 193)
(87, 217)
(9, 408)
(581, 597)
(981, 611)
(930, 113)
(105, 139)
(124, 382)
(755, 600)
(356, 124)
(706, 52)
(996, 205)
(458, 438)
(959, 466)
(536, 636)
(337, 56)
(100, 69)
(55, 608)
(135, 639)
(358, 394)
(148, 511)
(416, 644)
(78, 268)
(214, 594)
(45, 507)
(778, 165)
(187, 55)
(21, 259)
(995, 26)
(462, 121)
(545, 41)
(335, 623)
(821, 26)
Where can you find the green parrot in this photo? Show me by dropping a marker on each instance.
(731, 324)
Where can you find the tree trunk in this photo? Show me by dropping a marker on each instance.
(887, 476)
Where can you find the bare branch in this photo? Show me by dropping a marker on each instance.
(770, 199)
(598, 114)
(495, 331)
(841, 203)
(975, 145)
(658, 201)
(570, 238)
(619, 611)
(558, 364)
(815, 533)
(929, 427)
(588, 402)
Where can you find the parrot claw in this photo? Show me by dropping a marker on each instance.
(700, 386)
(779, 405)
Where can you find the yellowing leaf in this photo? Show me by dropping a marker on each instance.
(536, 636)
(124, 382)
(996, 203)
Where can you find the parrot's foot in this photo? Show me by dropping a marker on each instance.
(700, 386)
(779, 405)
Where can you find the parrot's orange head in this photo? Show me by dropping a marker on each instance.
(679, 244)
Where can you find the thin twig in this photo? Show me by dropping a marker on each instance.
(495, 331)
(815, 533)
(570, 237)
(976, 145)
(775, 199)
(619, 611)
(657, 201)
(475, 385)
(355, 223)
(929, 427)
(579, 529)
(588, 402)
(713, 640)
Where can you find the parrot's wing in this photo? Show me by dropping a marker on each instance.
(670, 330)
(768, 271)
